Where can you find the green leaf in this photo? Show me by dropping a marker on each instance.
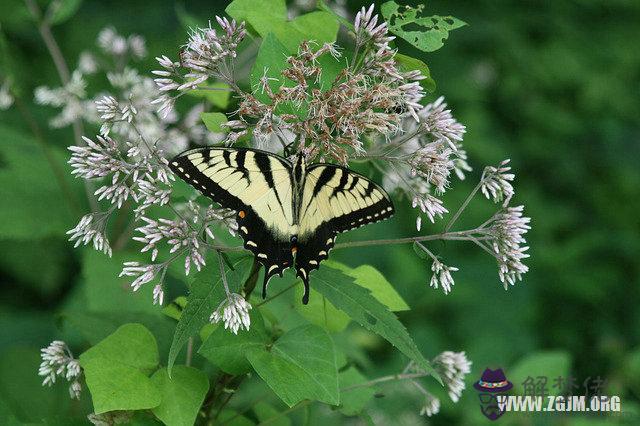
(182, 394)
(321, 5)
(219, 98)
(230, 417)
(117, 369)
(270, 61)
(300, 365)
(407, 63)
(206, 294)
(175, 308)
(361, 306)
(262, 15)
(265, 412)
(321, 27)
(550, 364)
(353, 401)
(34, 204)
(369, 277)
(64, 10)
(430, 31)
(213, 120)
(321, 312)
(227, 350)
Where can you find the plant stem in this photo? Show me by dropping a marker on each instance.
(63, 72)
(281, 292)
(459, 235)
(383, 379)
(189, 351)
(462, 207)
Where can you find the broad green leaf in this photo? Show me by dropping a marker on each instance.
(270, 61)
(182, 394)
(321, 27)
(213, 120)
(300, 365)
(353, 400)
(227, 350)
(131, 345)
(262, 15)
(361, 306)
(320, 311)
(219, 98)
(117, 369)
(265, 412)
(369, 277)
(427, 33)
(35, 198)
(64, 9)
(407, 63)
(549, 364)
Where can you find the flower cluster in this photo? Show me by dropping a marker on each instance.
(6, 98)
(452, 367)
(508, 227)
(58, 361)
(207, 54)
(233, 312)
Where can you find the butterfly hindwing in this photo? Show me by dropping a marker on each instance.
(335, 199)
(258, 186)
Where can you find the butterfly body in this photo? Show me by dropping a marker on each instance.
(288, 213)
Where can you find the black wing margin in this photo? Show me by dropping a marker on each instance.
(337, 200)
(237, 171)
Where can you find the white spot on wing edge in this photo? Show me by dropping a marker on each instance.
(244, 229)
(272, 268)
(252, 244)
(262, 255)
(313, 262)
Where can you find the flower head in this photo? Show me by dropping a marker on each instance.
(508, 227)
(452, 367)
(57, 361)
(234, 312)
(442, 276)
(496, 182)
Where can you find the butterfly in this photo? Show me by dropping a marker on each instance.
(285, 209)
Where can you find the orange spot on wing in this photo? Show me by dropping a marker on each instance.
(242, 214)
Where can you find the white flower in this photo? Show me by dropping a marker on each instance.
(87, 63)
(442, 276)
(234, 312)
(158, 295)
(57, 361)
(431, 405)
(508, 227)
(437, 120)
(91, 228)
(6, 98)
(496, 183)
(143, 273)
(452, 367)
(430, 205)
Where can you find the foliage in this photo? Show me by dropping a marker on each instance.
(524, 78)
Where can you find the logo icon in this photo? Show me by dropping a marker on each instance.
(491, 384)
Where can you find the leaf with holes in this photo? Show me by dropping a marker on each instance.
(427, 33)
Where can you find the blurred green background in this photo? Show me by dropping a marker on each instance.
(553, 85)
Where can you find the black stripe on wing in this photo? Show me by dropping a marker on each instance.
(273, 253)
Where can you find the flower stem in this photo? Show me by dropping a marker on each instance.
(383, 379)
(462, 207)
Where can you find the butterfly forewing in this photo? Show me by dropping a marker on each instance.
(258, 186)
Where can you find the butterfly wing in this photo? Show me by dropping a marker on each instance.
(258, 186)
(335, 199)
